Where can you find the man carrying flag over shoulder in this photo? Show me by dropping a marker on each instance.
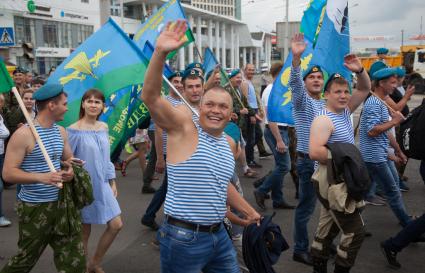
(307, 102)
(38, 199)
(200, 165)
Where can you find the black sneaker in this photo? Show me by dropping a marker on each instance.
(148, 189)
(391, 256)
(254, 164)
(265, 155)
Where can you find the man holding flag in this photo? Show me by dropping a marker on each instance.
(37, 206)
(200, 165)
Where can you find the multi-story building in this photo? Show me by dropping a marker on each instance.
(227, 36)
(231, 8)
(45, 36)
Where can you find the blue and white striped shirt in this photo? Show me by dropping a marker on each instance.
(174, 102)
(34, 162)
(305, 109)
(373, 149)
(343, 128)
(197, 187)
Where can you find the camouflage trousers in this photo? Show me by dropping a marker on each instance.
(293, 154)
(36, 231)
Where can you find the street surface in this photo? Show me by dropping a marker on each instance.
(132, 250)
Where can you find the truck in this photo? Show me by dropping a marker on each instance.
(412, 58)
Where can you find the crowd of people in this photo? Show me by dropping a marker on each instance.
(198, 136)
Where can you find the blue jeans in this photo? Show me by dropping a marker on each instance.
(274, 181)
(408, 234)
(381, 173)
(187, 251)
(306, 205)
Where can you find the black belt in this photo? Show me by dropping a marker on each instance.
(195, 227)
(303, 155)
(281, 127)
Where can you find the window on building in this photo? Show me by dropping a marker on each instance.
(50, 35)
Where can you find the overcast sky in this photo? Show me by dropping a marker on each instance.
(367, 18)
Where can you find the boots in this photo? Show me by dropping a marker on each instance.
(341, 269)
(320, 265)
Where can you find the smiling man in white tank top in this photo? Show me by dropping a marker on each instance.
(200, 165)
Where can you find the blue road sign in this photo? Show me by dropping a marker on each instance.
(7, 37)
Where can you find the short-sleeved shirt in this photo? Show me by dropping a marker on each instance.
(373, 149)
(252, 97)
(305, 109)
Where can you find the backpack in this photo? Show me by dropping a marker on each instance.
(412, 133)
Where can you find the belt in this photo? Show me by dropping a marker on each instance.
(303, 155)
(195, 227)
(281, 127)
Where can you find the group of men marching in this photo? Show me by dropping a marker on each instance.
(197, 148)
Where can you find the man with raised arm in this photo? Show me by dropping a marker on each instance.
(200, 165)
(307, 102)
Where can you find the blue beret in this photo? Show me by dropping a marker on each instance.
(194, 65)
(376, 66)
(382, 50)
(47, 91)
(234, 73)
(175, 74)
(401, 72)
(384, 73)
(312, 69)
(331, 78)
(192, 72)
(19, 69)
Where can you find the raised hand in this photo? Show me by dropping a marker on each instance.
(352, 63)
(298, 45)
(172, 36)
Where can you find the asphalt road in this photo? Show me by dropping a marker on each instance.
(132, 251)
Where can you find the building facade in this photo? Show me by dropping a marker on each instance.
(228, 37)
(44, 37)
(230, 8)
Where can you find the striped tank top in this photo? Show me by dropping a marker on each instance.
(34, 162)
(197, 187)
(174, 102)
(343, 128)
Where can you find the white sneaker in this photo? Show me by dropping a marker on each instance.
(4, 222)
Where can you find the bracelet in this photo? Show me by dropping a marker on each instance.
(361, 71)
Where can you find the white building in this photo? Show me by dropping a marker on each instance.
(45, 37)
(230, 8)
(229, 38)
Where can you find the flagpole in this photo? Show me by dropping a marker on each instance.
(35, 133)
(180, 95)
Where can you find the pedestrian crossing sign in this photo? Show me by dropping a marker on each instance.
(6, 36)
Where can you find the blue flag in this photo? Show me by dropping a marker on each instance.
(148, 50)
(150, 30)
(109, 61)
(333, 41)
(312, 19)
(279, 107)
(210, 62)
